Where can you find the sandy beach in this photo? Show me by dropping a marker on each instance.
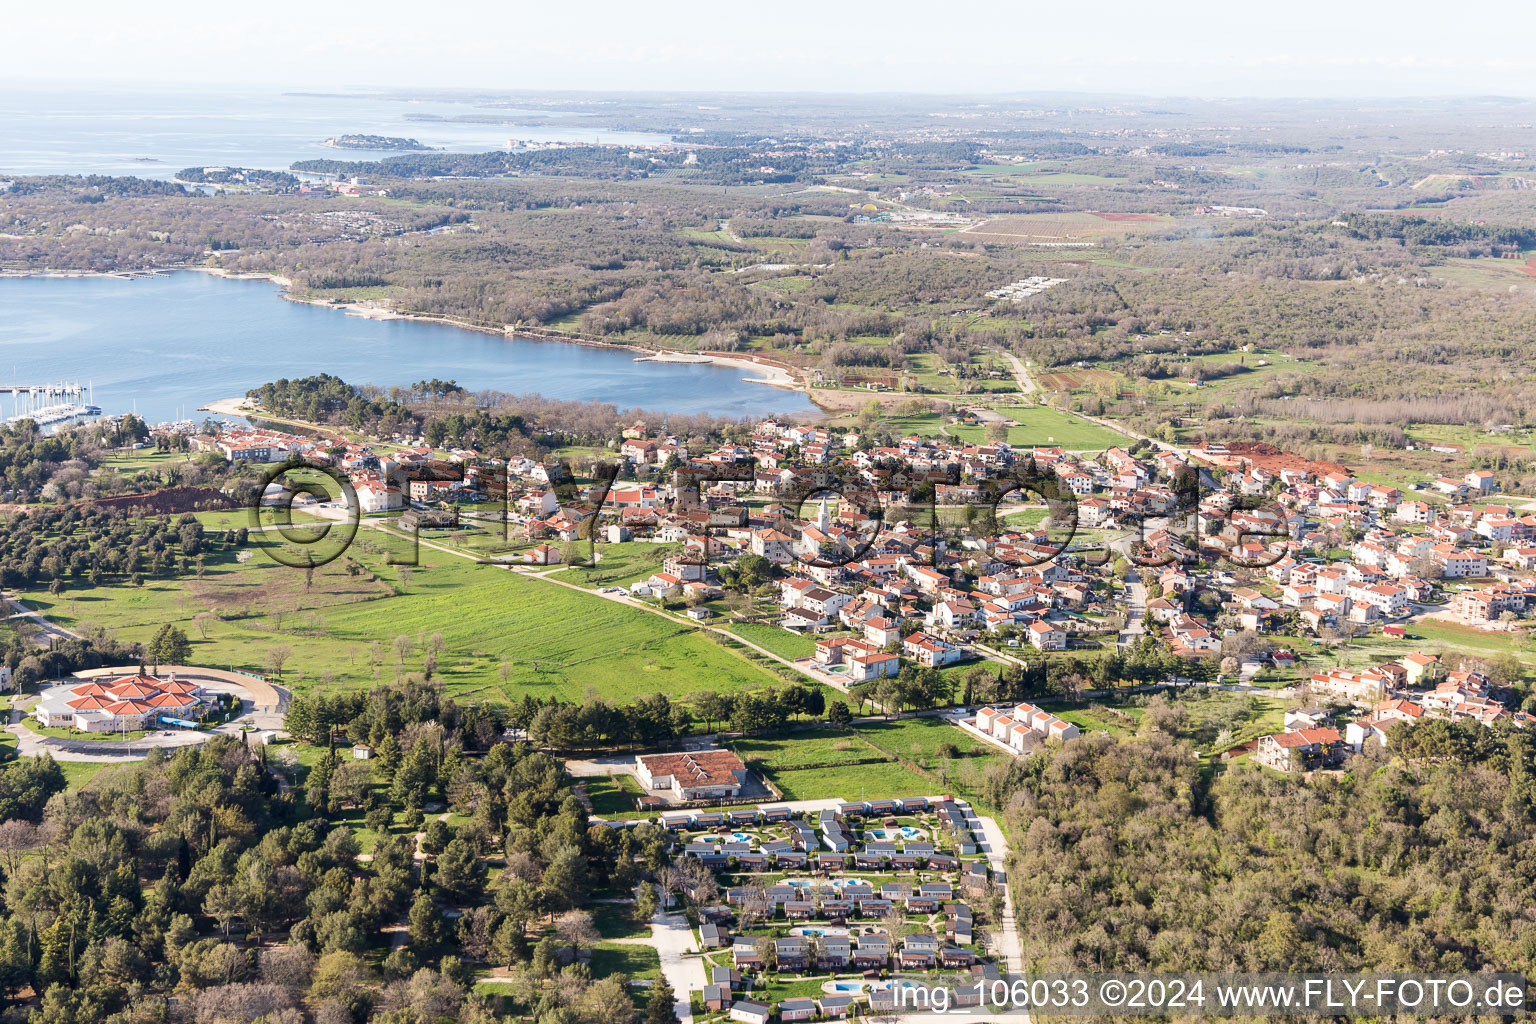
(766, 373)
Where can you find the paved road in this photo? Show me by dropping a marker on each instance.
(1135, 612)
(1006, 939)
(672, 938)
(21, 611)
(1020, 373)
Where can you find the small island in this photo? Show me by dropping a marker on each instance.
(374, 142)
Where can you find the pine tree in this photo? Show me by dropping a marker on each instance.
(425, 927)
(387, 756)
(661, 1008)
(15, 959)
(170, 647)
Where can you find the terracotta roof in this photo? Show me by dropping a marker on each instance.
(698, 768)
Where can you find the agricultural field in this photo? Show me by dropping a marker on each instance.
(1069, 229)
(1077, 380)
(1488, 272)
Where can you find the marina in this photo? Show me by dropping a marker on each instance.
(49, 404)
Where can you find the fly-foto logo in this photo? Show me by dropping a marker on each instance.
(824, 517)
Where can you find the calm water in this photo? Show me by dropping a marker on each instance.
(49, 130)
(166, 345)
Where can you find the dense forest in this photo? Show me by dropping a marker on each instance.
(199, 873)
(1127, 857)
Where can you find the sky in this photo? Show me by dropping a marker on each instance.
(1295, 48)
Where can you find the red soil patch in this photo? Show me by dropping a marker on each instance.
(1530, 267)
(169, 501)
(1126, 217)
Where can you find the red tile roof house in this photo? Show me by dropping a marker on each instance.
(929, 651)
(1304, 750)
(696, 775)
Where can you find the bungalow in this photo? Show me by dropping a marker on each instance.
(790, 952)
(750, 1013)
(952, 956)
(873, 951)
(717, 997)
(836, 1007)
(912, 959)
(799, 1008)
(834, 952)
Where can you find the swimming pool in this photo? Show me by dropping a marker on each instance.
(904, 832)
(813, 932)
(852, 987)
(836, 883)
(740, 837)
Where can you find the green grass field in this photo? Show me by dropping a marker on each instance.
(783, 642)
(1041, 426)
(638, 960)
(824, 763)
(503, 634)
(620, 565)
(854, 782)
(80, 774)
(130, 462)
(612, 794)
(919, 740)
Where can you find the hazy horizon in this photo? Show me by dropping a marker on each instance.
(1198, 50)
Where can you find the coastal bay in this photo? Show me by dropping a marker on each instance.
(164, 345)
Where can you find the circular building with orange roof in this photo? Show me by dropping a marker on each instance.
(127, 703)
